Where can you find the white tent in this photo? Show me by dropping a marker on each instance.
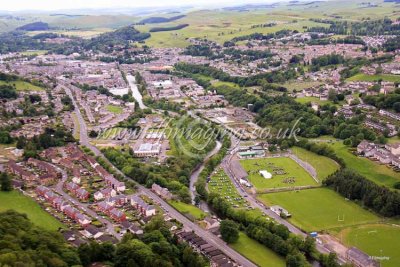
(266, 174)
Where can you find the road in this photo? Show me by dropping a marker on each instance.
(187, 224)
(59, 188)
(195, 174)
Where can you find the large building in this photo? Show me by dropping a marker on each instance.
(148, 150)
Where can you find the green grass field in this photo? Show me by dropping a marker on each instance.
(308, 99)
(220, 83)
(380, 174)
(323, 165)
(319, 209)
(34, 52)
(376, 240)
(114, 109)
(184, 208)
(23, 86)
(256, 252)
(299, 85)
(289, 166)
(372, 78)
(23, 204)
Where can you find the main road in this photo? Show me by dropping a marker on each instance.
(187, 224)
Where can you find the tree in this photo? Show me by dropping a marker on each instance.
(93, 134)
(5, 137)
(5, 182)
(229, 231)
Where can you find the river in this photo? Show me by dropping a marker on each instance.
(135, 91)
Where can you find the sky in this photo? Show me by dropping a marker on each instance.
(17, 5)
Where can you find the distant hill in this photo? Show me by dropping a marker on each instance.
(153, 20)
(120, 37)
(166, 29)
(35, 26)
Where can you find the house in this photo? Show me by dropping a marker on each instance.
(83, 220)
(161, 191)
(72, 187)
(117, 215)
(383, 156)
(393, 148)
(105, 193)
(70, 212)
(82, 194)
(144, 208)
(104, 207)
(130, 227)
(360, 259)
(46, 179)
(17, 170)
(41, 190)
(92, 232)
(43, 166)
(366, 148)
(211, 223)
(119, 200)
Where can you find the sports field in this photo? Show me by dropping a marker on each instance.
(23, 204)
(23, 86)
(285, 173)
(256, 252)
(378, 240)
(323, 165)
(319, 209)
(380, 174)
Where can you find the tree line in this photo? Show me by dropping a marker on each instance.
(355, 187)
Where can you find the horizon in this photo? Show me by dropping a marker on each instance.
(73, 5)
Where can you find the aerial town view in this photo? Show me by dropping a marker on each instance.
(199, 133)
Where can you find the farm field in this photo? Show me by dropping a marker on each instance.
(380, 174)
(323, 165)
(256, 252)
(378, 240)
(23, 86)
(222, 26)
(23, 204)
(371, 78)
(114, 109)
(319, 209)
(191, 210)
(89, 33)
(292, 173)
